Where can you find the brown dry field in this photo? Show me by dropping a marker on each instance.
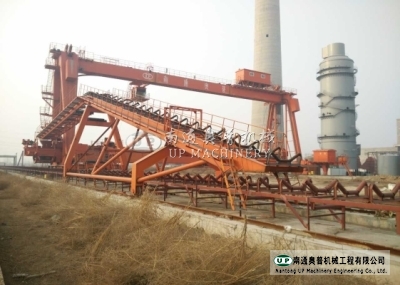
(86, 240)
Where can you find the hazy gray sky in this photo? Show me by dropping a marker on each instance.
(209, 37)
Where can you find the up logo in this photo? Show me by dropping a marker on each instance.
(144, 144)
(283, 260)
(147, 76)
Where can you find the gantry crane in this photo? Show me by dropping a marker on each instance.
(192, 137)
(60, 141)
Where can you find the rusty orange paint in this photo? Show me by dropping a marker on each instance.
(251, 85)
(75, 141)
(325, 156)
(247, 75)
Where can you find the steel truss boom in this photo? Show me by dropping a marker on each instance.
(69, 65)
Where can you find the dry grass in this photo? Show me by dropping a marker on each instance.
(4, 181)
(91, 240)
(4, 185)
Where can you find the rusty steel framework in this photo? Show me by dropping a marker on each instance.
(194, 137)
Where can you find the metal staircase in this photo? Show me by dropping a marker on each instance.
(233, 186)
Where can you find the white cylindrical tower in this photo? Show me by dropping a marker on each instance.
(337, 102)
(267, 55)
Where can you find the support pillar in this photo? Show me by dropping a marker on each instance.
(118, 141)
(75, 141)
(103, 150)
(118, 154)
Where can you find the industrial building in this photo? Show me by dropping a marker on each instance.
(382, 160)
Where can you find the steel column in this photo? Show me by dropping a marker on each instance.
(118, 154)
(103, 150)
(293, 125)
(75, 141)
(118, 141)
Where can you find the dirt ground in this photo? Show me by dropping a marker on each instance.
(67, 237)
(27, 242)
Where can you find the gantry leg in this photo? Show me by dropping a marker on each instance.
(75, 141)
(105, 145)
(141, 165)
(118, 154)
(118, 141)
(165, 172)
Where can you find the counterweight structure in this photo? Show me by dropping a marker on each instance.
(267, 58)
(337, 94)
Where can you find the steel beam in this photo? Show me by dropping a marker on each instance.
(172, 170)
(118, 141)
(100, 177)
(293, 125)
(105, 145)
(75, 141)
(118, 154)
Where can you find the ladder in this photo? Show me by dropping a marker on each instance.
(342, 160)
(347, 169)
(228, 168)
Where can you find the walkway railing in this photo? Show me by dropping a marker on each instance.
(213, 122)
(83, 54)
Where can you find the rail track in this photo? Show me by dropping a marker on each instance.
(55, 174)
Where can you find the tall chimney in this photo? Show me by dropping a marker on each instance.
(267, 58)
